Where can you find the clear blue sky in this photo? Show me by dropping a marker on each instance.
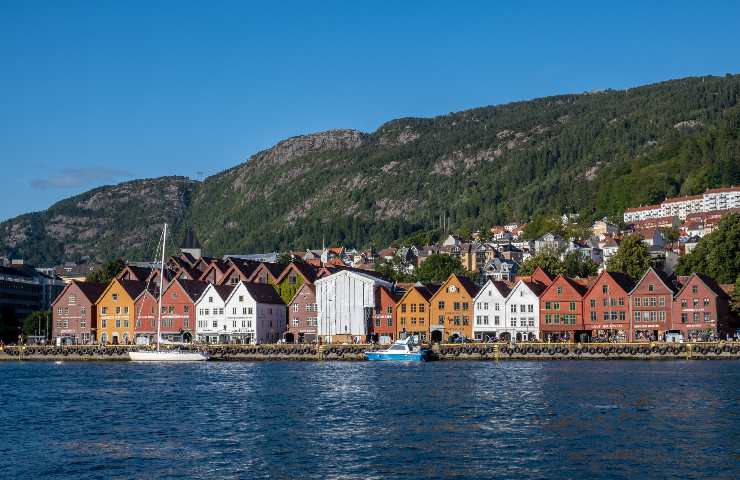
(97, 92)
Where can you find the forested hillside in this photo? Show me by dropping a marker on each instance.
(595, 154)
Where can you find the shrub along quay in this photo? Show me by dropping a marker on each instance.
(342, 352)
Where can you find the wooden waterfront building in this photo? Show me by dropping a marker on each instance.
(74, 316)
(452, 309)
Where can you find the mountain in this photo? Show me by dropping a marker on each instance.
(594, 153)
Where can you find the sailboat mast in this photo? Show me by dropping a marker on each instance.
(161, 285)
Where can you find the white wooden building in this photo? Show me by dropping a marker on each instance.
(210, 325)
(489, 310)
(253, 313)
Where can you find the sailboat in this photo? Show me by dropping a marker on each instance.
(159, 355)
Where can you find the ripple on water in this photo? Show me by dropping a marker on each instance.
(370, 420)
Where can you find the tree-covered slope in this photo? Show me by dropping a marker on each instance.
(594, 153)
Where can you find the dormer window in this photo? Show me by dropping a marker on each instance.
(651, 288)
(114, 297)
(605, 288)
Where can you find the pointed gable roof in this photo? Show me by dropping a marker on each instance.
(309, 272)
(710, 283)
(577, 287)
(538, 288)
(192, 288)
(502, 288)
(137, 272)
(263, 293)
(661, 276)
(132, 287)
(91, 290)
(308, 286)
(624, 281)
(273, 270)
(539, 275)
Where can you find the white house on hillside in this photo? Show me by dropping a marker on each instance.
(346, 303)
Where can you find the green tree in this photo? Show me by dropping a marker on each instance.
(37, 323)
(438, 267)
(735, 298)
(106, 272)
(394, 269)
(576, 265)
(547, 260)
(717, 254)
(286, 258)
(632, 257)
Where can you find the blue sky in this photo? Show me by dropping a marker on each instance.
(93, 93)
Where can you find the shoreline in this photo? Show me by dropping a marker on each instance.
(441, 352)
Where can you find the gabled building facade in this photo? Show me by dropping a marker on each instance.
(254, 313)
(606, 308)
(383, 325)
(74, 316)
(210, 322)
(413, 311)
(452, 309)
(489, 311)
(303, 315)
(561, 311)
(116, 311)
(701, 310)
(651, 306)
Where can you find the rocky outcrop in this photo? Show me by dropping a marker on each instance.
(296, 147)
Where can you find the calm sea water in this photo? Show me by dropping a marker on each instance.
(371, 420)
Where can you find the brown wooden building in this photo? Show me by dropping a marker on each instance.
(74, 316)
(383, 323)
(303, 315)
(413, 311)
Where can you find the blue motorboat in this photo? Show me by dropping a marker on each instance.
(401, 350)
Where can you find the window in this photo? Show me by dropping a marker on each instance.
(171, 309)
(215, 324)
(707, 317)
(637, 301)
(441, 305)
(605, 288)
(559, 290)
(103, 323)
(706, 302)
(186, 322)
(210, 299)
(118, 323)
(653, 301)
(465, 306)
(694, 289)
(114, 297)
(249, 311)
(377, 322)
(572, 306)
(465, 320)
(186, 309)
(456, 306)
(118, 310)
(403, 320)
(522, 308)
(441, 320)
(661, 316)
(695, 317)
(389, 310)
(456, 320)
(413, 308)
(530, 308)
(496, 320)
(496, 306)
(403, 308)
(244, 310)
(548, 305)
(295, 322)
(695, 302)
(422, 308)
(72, 299)
(513, 322)
(292, 279)
(485, 319)
(593, 316)
(125, 323)
(389, 323)
(83, 323)
(592, 303)
(651, 288)
(661, 301)
(485, 305)
(208, 312)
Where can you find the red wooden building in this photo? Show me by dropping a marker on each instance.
(606, 307)
(561, 311)
(74, 316)
(651, 303)
(178, 309)
(701, 310)
(383, 324)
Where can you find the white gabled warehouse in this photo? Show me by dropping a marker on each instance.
(489, 310)
(346, 301)
(523, 311)
(254, 313)
(210, 325)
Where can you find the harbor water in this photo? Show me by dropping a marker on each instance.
(213, 420)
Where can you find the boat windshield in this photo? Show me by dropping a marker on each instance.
(398, 347)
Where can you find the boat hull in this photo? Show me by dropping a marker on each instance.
(167, 356)
(398, 357)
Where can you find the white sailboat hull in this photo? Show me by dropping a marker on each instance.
(173, 356)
